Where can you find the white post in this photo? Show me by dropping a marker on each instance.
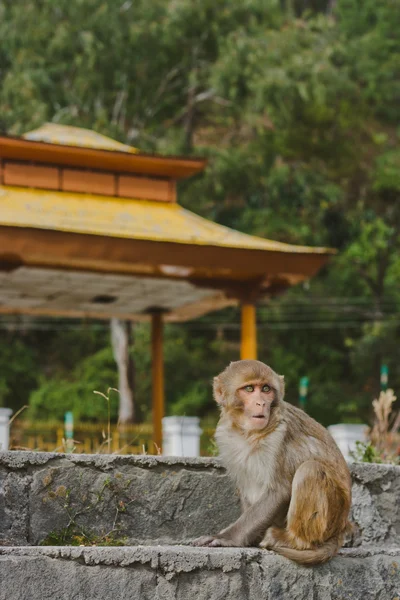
(346, 435)
(181, 436)
(5, 414)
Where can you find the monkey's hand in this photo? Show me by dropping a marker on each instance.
(223, 543)
(213, 541)
(204, 540)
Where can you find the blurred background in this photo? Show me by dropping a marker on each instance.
(296, 104)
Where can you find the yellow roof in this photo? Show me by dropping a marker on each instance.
(75, 136)
(125, 218)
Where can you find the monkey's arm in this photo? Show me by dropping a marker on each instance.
(252, 524)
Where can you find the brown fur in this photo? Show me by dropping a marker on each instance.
(293, 480)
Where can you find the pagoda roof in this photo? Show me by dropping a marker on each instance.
(154, 221)
(70, 253)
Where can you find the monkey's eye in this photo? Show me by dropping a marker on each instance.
(249, 388)
(266, 388)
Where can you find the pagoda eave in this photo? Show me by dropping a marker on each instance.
(13, 148)
(72, 250)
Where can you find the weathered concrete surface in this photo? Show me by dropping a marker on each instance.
(183, 573)
(376, 503)
(145, 499)
(156, 499)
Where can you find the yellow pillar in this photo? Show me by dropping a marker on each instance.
(157, 378)
(248, 347)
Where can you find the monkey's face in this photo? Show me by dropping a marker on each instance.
(256, 399)
(248, 392)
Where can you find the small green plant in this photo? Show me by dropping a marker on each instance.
(365, 452)
(75, 536)
(212, 448)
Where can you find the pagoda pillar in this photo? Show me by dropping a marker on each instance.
(158, 400)
(248, 345)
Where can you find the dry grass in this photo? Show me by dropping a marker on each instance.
(385, 432)
(107, 439)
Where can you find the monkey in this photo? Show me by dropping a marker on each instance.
(293, 481)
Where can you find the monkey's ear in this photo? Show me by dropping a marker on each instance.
(218, 391)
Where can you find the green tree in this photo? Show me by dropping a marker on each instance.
(55, 396)
(295, 103)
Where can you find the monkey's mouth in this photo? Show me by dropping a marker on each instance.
(259, 417)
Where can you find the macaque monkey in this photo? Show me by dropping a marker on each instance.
(293, 481)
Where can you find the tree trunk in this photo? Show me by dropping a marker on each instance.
(121, 337)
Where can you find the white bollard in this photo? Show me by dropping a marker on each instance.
(5, 414)
(181, 436)
(346, 435)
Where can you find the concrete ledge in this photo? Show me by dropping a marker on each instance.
(148, 500)
(24, 459)
(183, 573)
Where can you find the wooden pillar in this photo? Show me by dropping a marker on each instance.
(248, 347)
(157, 377)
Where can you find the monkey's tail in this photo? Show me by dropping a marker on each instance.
(316, 556)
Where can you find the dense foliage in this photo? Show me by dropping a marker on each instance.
(296, 104)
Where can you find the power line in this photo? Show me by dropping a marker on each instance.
(192, 326)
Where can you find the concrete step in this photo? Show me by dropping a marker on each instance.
(156, 500)
(185, 573)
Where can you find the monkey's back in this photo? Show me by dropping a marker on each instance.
(307, 439)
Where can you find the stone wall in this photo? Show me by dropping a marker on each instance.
(184, 573)
(156, 500)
